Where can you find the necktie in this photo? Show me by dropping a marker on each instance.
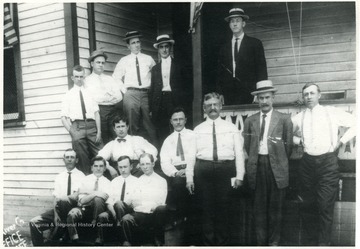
(83, 109)
(236, 49)
(179, 149)
(138, 71)
(123, 191)
(262, 127)
(215, 155)
(96, 184)
(69, 184)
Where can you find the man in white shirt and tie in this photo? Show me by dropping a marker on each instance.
(80, 117)
(105, 91)
(124, 144)
(93, 200)
(133, 73)
(66, 189)
(316, 129)
(219, 157)
(149, 205)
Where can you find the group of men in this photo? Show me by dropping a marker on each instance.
(207, 162)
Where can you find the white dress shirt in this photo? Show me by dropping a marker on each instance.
(132, 183)
(104, 89)
(233, 40)
(152, 192)
(263, 145)
(61, 181)
(318, 128)
(88, 184)
(125, 71)
(131, 147)
(168, 156)
(71, 105)
(165, 72)
(229, 143)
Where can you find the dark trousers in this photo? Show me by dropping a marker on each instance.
(162, 118)
(45, 221)
(238, 93)
(107, 114)
(319, 182)
(143, 222)
(83, 135)
(268, 202)
(136, 108)
(179, 196)
(213, 185)
(87, 214)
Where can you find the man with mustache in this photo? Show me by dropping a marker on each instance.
(268, 142)
(219, 157)
(316, 129)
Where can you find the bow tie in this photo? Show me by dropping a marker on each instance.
(121, 140)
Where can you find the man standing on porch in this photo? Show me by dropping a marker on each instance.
(133, 73)
(219, 157)
(106, 92)
(268, 142)
(80, 117)
(316, 129)
(241, 62)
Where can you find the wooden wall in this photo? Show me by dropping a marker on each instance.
(326, 54)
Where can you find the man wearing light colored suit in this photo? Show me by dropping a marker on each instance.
(268, 142)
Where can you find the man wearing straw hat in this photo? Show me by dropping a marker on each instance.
(241, 62)
(268, 142)
(166, 90)
(133, 72)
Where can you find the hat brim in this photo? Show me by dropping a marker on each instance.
(156, 45)
(91, 58)
(131, 37)
(245, 17)
(264, 91)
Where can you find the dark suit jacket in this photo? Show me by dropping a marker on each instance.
(279, 146)
(250, 67)
(157, 85)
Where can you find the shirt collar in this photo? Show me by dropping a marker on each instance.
(181, 132)
(210, 121)
(315, 108)
(240, 37)
(167, 60)
(135, 55)
(268, 114)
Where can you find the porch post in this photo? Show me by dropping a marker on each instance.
(197, 74)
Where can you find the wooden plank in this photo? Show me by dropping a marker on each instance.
(81, 12)
(81, 5)
(83, 23)
(36, 139)
(44, 67)
(61, 81)
(83, 33)
(41, 27)
(42, 115)
(44, 123)
(34, 154)
(46, 90)
(42, 108)
(30, 177)
(40, 43)
(23, 7)
(28, 162)
(34, 170)
(43, 51)
(318, 77)
(45, 58)
(53, 98)
(324, 86)
(29, 192)
(84, 43)
(20, 132)
(84, 53)
(28, 185)
(35, 20)
(36, 147)
(55, 32)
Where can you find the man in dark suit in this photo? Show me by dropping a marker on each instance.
(166, 90)
(241, 62)
(268, 142)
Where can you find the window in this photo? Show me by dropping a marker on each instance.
(13, 92)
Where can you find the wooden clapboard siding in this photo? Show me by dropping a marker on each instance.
(83, 34)
(327, 53)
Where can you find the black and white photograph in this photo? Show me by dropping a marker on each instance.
(179, 123)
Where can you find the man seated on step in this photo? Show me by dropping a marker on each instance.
(126, 145)
(150, 210)
(93, 200)
(123, 191)
(66, 189)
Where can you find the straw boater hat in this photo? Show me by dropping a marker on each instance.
(263, 87)
(236, 12)
(163, 39)
(132, 34)
(97, 53)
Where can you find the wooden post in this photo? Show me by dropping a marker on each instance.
(197, 74)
